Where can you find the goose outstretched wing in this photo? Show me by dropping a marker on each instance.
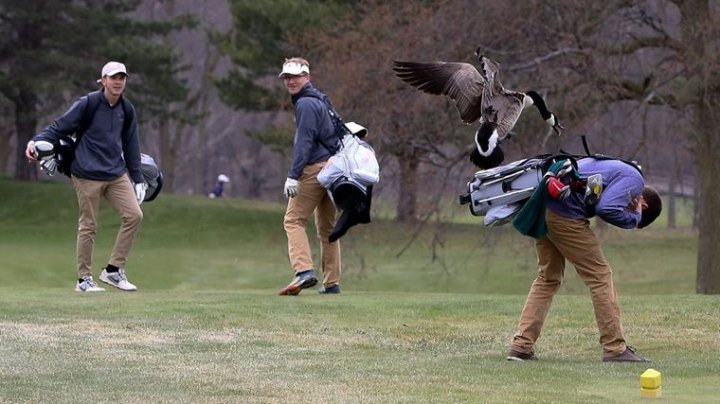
(459, 81)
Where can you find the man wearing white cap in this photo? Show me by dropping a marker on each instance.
(106, 164)
(314, 140)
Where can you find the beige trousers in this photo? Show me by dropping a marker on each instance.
(574, 240)
(312, 197)
(119, 192)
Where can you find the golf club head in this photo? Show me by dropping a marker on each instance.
(593, 190)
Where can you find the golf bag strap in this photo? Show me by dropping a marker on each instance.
(600, 156)
(93, 101)
(338, 124)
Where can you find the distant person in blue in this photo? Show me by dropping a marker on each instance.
(217, 191)
(625, 202)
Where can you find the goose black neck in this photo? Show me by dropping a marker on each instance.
(540, 104)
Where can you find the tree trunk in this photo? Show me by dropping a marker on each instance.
(406, 210)
(708, 269)
(167, 155)
(701, 44)
(7, 133)
(672, 198)
(25, 122)
(696, 204)
(5, 153)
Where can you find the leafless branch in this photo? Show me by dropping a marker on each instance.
(540, 59)
(639, 43)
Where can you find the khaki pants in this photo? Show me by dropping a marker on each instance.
(574, 240)
(312, 197)
(119, 192)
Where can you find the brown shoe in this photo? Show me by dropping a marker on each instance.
(628, 355)
(518, 356)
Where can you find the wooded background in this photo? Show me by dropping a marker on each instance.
(639, 78)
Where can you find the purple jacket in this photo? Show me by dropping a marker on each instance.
(621, 184)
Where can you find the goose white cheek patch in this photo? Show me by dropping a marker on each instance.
(492, 143)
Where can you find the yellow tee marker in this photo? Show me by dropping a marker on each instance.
(650, 384)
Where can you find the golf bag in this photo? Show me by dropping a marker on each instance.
(153, 176)
(350, 173)
(349, 176)
(355, 162)
(499, 193)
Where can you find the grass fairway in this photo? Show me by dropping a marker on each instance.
(426, 323)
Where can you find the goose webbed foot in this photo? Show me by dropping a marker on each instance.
(557, 127)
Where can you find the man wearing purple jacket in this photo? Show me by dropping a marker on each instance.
(626, 203)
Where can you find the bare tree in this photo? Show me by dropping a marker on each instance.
(422, 132)
(701, 57)
(608, 68)
(667, 53)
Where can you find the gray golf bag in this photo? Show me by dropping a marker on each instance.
(499, 193)
(153, 176)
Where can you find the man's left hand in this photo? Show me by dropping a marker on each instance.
(140, 190)
(637, 204)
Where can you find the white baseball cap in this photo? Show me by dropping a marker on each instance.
(294, 69)
(113, 68)
(223, 178)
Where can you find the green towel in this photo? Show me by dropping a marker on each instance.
(530, 221)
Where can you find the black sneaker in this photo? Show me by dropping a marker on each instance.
(302, 280)
(628, 355)
(518, 356)
(334, 289)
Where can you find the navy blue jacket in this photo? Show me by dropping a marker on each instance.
(314, 130)
(104, 153)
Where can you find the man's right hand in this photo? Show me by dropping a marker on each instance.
(30, 151)
(291, 188)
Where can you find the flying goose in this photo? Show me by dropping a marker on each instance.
(478, 95)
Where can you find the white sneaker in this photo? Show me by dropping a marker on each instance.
(88, 285)
(117, 279)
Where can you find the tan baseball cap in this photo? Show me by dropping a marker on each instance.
(111, 69)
